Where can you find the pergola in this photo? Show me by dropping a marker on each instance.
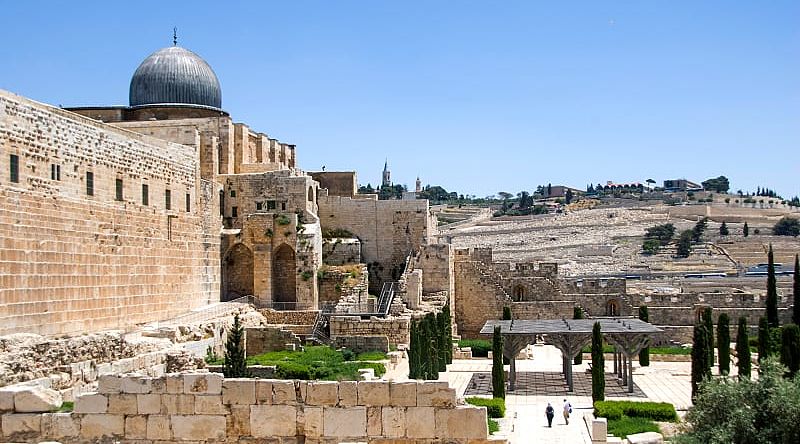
(628, 335)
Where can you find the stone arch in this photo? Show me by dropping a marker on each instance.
(311, 194)
(518, 293)
(612, 307)
(284, 277)
(237, 272)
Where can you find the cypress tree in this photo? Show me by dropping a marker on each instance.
(498, 374)
(413, 352)
(743, 349)
(442, 339)
(577, 313)
(723, 229)
(644, 355)
(708, 322)
(764, 339)
(724, 344)
(507, 313)
(598, 365)
(790, 348)
(235, 364)
(700, 367)
(772, 291)
(796, 292)
(448, 333)
(431, 348)
(746, 230)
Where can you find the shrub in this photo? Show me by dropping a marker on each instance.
(347, 354)
(788, 226)
(495, 407)
(607, 409)
(292, 370)
(494, 427)
(480, 347)
(657, 411)
(282, 220)
(628, 426)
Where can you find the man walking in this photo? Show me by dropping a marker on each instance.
(567, 411)
(550, 412)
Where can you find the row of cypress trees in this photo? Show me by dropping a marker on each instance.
(431, 347)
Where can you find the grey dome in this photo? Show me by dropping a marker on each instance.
(175, 75)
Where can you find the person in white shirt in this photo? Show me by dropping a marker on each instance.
(567, 411)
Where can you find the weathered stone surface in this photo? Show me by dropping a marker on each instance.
(283, 392)
(202, 384)
(109, 384)
(646, 438)
(36, 399)
(312, 422)
(209, 405)
(134, 384)
(158, 427)
(373, 393)
(263, 392)
(462, 422)
(198, 427)
(177, 404)
(21, 423)
(345, 422)
(322, 393)
(238, 421)
(149, 404)
(348, 393)
(420, 422)
(135, 427)
(7, 398)
(394, 422)
(599, 429)
(403, 393)
(174, 384)
(99, 425)
(374, 422)
(125, 404)
(239, 391)
(91, 403)
(435, 394)
(60, 426)
(273, 420)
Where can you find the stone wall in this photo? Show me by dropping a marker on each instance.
(396, 329)
(346, 284)
(338, 183)
(361, 344)
(75, 262)
(289, 317)
(260, 340)
(206, 408)
(338, 251)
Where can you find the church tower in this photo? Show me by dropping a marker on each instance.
(418, 188)
(387, 181)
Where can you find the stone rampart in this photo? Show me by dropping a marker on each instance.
(396, 329)
(206, 408)
(361, 344)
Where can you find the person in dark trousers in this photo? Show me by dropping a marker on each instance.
(550, 412)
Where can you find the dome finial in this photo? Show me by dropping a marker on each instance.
(175, 36)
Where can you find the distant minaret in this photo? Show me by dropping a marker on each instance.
(419, 185)
(387, 181)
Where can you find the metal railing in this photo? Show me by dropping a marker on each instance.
(283, 306)
(386, 298)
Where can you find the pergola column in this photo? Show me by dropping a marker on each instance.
(631, 345)
(512, 345)
(570, 345)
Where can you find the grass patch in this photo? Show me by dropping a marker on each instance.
(316, 362)
(627, 425)
(494, 427)
(676, 350)
(495, 407)
(372, 356)
(66, 407)
(480, 347)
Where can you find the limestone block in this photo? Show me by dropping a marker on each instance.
(125, 404)
(91, 403)
(323, 393)
(393, 420)
(283, 392)
(7, 398)
(37, 399)
(149, 404)
(263, 392)
(174, 384)
(239, 391)
(435, 394)
(100, 425)
(198, 427)
(462, 422)
(158, 385)
(209, 405)
(312, 422)
(134, 384)
(158, 427)
(421, 422)
(373, 393)
(202, 384)
(273, 420)
(108, 384)
(21, 423)
(344, 422)
(238, 421)
(646, 438)
(403, 393)
(599, 429)
(177, 404)
(348, 393)
(135, 427)
(60, 425)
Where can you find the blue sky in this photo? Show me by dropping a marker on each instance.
(476, 96)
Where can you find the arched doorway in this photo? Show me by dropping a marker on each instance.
(238, 273)
(518, 293)
(284, 278)
(612, 308)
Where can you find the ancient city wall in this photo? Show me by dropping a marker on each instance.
(397, 329)
(205, 408)
(339, 251)
(76, 259)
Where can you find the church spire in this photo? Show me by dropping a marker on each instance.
(386, 177)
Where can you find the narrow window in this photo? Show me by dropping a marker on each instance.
(188, 202)
(168, 199)
(233, 193)
(53, 175)
(119, 189)
(89, 183)
(283, 206)
(270, 205)
(221, 203)
(145, 194)
(234, 211)
(14, 168)
(259, 206)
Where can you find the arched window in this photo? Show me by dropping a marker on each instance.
(612, 308)
(311, 194)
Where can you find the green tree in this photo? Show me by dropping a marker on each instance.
(442, 340)
(684, 247)
(700, 368)
(772, 291)
(507, 313)
(644, 355)
(787, 226)
(744, 412)
(743, 350)
(723, 229)
(414, 352)
(498, 373)
(651, 246)
(764, 339)
(796, 292)
(746, 230)
(699, 229)
(447, 333)
(719, 184)
(431, 347)
(663, 233)
(708, 322)
(790, 348)
(577, 313)
(724, 344)
(598, 365)
(235, 364)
